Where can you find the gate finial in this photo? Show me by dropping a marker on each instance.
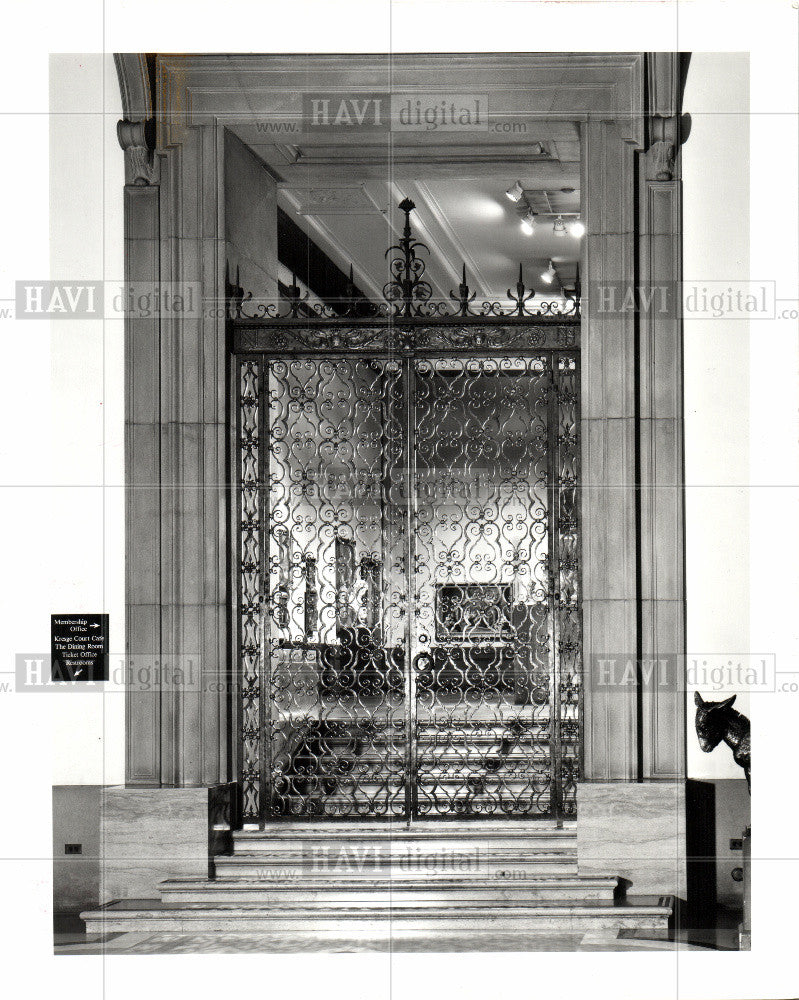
(407, 287)
(520, 298)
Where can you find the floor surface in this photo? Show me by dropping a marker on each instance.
(73, 942)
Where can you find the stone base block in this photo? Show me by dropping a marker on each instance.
(635, 831)
(150, 834)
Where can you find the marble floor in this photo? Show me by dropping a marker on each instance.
(73, 942)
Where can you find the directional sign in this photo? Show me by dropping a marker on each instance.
(79, 647)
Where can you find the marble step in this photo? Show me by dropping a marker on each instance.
(292, 864)
(150, 916)
(478, 836)
(402, 892)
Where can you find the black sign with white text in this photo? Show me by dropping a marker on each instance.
(79, 647)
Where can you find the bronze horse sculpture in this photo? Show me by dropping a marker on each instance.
(717, 721)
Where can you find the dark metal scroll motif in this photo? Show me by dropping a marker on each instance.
(408, 295)
(495, 673)
(408, 551)
(430, 672)
(282, 339)
(566, 591)
(251, 583)
(408, 287)
(337, 687)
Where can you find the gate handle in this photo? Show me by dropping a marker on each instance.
(421, 656)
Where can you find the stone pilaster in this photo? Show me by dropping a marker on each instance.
(660, 431)
(177, 513)
(609, 530)
(193, 473)
(142, 469)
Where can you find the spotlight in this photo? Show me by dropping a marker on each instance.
(528, 223)
(549, 275)
(559, 229)
(577, 229)
(515, 191)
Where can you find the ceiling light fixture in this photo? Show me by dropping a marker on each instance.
(559, 229)
(576, 229)
(515, 191)
(550, 274)
(528, 223)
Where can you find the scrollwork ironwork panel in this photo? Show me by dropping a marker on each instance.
(337, 597)
(566, 598)
(409, 579)
(250, 584)
(481, 596)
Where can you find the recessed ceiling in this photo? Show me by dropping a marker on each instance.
(344, 195)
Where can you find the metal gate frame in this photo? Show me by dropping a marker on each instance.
(409, 326)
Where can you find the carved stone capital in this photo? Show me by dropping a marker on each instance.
(139, 166)
(667, 127)
(664, 142)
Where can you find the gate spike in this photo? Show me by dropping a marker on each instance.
(463, 298)
(520, 298)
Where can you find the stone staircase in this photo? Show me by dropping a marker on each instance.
(369, 880)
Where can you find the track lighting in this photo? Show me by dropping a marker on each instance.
(515, 191)
(559, 229)
(549, 275)
(576, 229)
(528, 223)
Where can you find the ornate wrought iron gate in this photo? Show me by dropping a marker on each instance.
(409, 638)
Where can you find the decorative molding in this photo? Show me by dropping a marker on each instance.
(663, 83)
(574, 87)
(662, 150)
(134, 85)
(276, 339)
(664, 97)
(140, 169)
(351, 200)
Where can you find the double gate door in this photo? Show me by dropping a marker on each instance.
(410, 625)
